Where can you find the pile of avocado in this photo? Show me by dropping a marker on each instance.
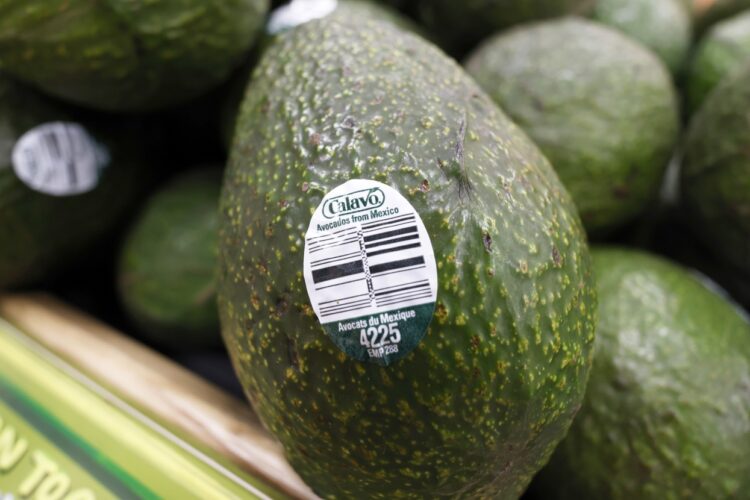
(476, 249)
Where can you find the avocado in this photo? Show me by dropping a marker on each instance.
(600, 106)
(343, 9)
(664, 26)
(480, 397)
(63, 183)
(168, 267)
(723, 50)
(667, 409)
(461, 25)
(121, 55)
(715, 177)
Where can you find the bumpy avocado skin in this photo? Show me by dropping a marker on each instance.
(345, 9)
(664, 25)
(600, 106)
(716, 171)
(40, 233)
(479, 405)
(122, 55)
(667, 410)
(724, 49)
(461, 25)
(168, 269)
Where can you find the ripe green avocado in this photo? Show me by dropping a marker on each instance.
(662, 25)
(344, 9)
(168, 268)
(64, 204)
(123, 55)
(667, 409)
(724, 49)
(600, 106)
(716, 170)
(461, 25)
(480, 403)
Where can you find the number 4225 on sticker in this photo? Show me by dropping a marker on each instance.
(380, 340)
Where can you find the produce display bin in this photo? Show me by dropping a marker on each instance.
(87, 413)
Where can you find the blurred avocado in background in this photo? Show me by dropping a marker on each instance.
(601, 106)
(723, 50)
(667, 404)
(715, 181)
(126, 56)
(664, 26)
(168, 266)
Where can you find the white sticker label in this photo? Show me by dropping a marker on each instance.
(59, 159)
(370, 271)
(298, 12)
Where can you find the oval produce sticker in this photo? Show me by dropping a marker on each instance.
(370, 271)
(59, 159)
(297, 13)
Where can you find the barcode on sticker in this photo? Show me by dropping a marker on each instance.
(59, 159)
(370, 271)
(356, 281)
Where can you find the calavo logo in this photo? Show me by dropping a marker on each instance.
(356, 201)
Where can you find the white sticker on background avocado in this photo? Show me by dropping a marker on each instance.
(59, 159)
(298, 12)
(370, 271)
